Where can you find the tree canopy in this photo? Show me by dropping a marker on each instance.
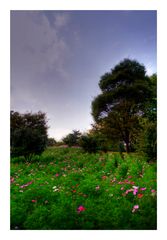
(126, 91)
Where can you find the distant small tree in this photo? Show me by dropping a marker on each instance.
(28, 134)
(72, 138)
(51, 142)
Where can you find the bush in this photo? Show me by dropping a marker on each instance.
(28, 134)
(147, 141)
(89, 143)
(51, 142)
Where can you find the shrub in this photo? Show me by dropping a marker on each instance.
(89, 144)
(51, 142)
(28, 134)
(147, 141)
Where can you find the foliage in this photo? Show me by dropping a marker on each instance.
(89, 143)
(28, 134)
(69, 189)
(147, 140)
(125, 92)
(103, 138)
(72, 138)
(51, 142)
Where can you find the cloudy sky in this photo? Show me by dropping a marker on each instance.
(57, 58)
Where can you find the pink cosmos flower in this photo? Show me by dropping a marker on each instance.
(153, 190)
(135, 208)
(56, 174)
(11, 179)
(33, 200)
(143, 189)
(80, 209)
(104, 177)
(135, 190)
(27, 184)
(98, 187)
(129, 190)
(122, 188)
(120, 182)
(132, 183)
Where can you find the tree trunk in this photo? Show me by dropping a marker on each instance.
(127, 147)
(127, 142)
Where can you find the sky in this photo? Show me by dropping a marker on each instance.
(58, 57)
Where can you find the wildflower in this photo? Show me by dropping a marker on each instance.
(122, 188)
(140, 195)
(104, 177)
(143, 189)
(111, 195)
(56, 174)
(153, 192)
(135, 208)
(33, 200)
(98, 187)
(131, 183)
(128, 190)
(11, 179)
(135, 187)
(113, 180)
(135, 190)
(120, 182)
(55, 189)
(81, 209)
(27, 184)
(129, 176)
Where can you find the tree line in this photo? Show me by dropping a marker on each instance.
(124, 113)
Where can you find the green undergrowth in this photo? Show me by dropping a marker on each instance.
(69, 189)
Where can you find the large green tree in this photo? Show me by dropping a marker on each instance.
(28, 134)
(125, 92)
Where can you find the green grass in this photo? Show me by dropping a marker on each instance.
(46, 193)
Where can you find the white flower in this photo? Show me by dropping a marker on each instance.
(55, 189)
(135, 187)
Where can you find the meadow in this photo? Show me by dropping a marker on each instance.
(67, 189)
